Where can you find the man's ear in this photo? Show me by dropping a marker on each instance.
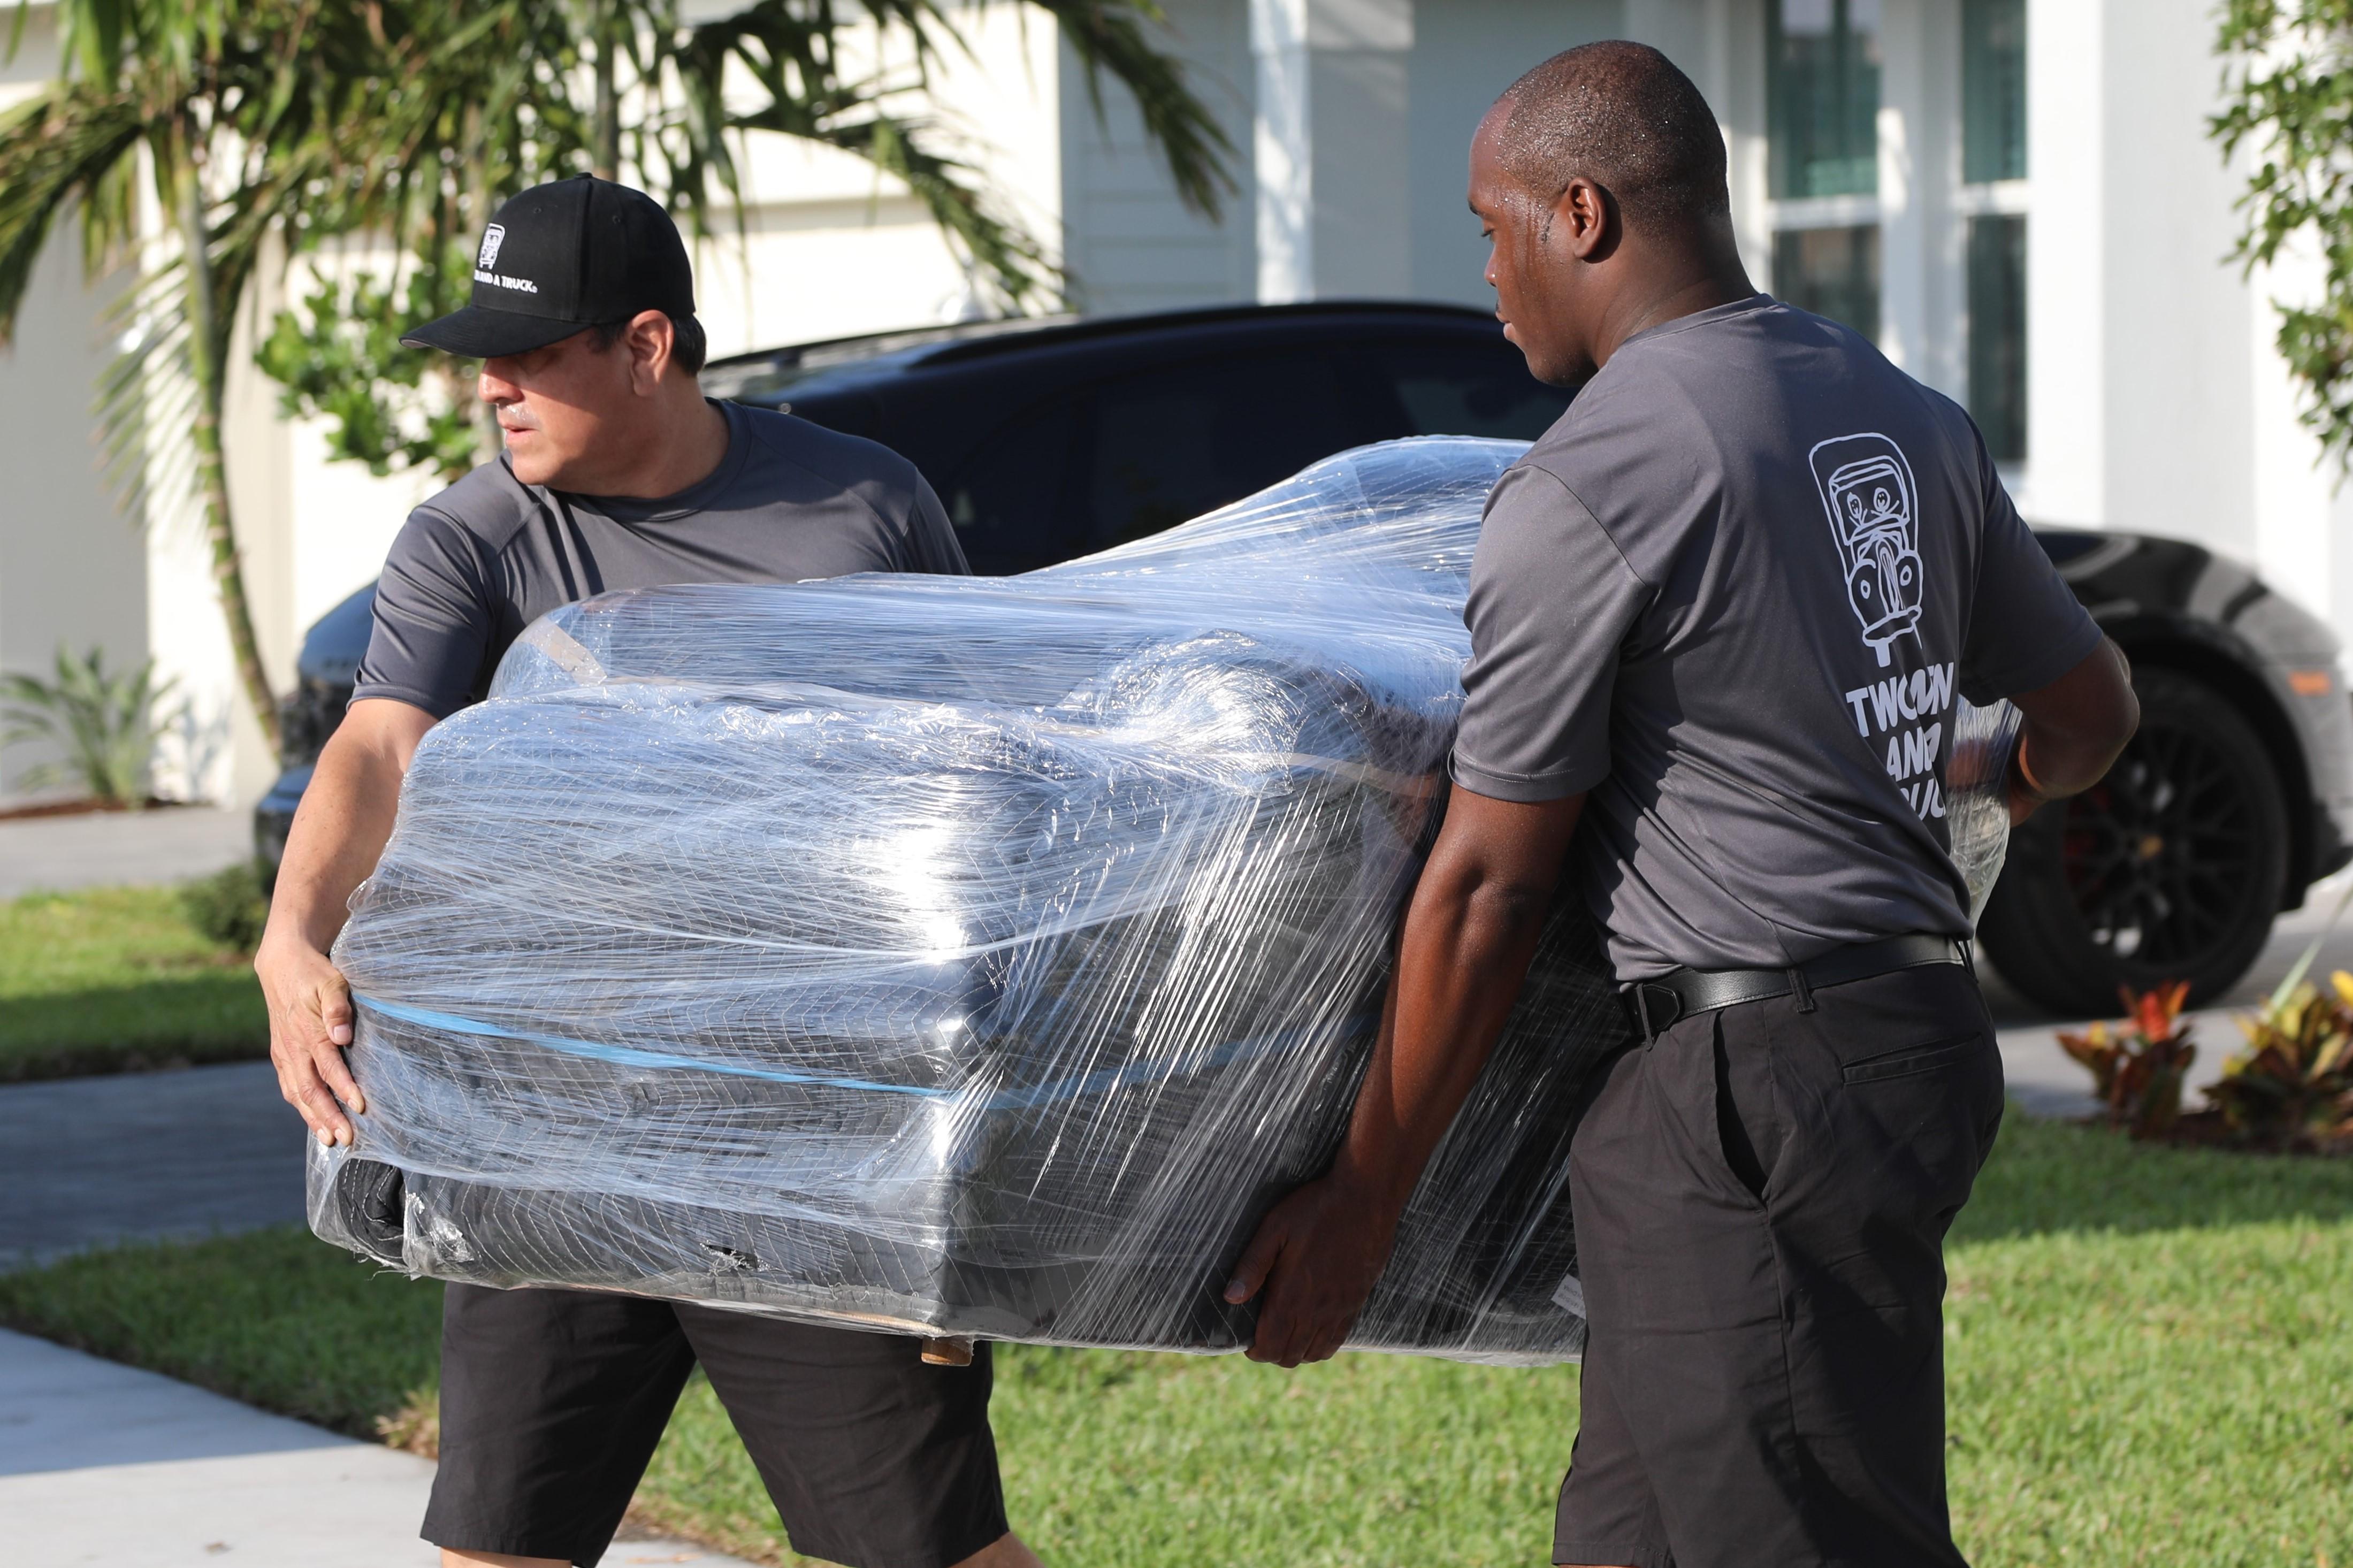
(1584, 221)
(651, 340)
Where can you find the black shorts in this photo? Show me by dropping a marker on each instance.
(552, 1402)
(1761, 1197)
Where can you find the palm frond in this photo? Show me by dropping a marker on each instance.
(996, 246)
(1109, 37)
(62, 144)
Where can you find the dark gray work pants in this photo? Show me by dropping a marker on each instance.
(1761, 1197)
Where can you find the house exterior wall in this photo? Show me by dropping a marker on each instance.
(1129, 242)
(73, 566)
(1464, 53)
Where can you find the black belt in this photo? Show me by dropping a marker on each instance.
(1685, 993)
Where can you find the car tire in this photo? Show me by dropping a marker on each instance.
(2170, 869)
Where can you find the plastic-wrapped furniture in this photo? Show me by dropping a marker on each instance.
(964, 957)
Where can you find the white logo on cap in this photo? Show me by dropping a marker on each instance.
(491, 238)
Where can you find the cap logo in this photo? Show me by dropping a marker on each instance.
(492, 237)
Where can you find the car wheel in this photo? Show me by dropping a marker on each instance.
(2170, 868)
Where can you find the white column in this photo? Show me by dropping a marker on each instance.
(1331, 74)
(1904, 125)
(2301, 511)
(1735, 90)
(1922, 286)
(2067, 63)
(1280, 152)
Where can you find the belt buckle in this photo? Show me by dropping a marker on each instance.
(1653, 1029)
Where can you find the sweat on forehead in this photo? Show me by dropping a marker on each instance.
(1620, 115)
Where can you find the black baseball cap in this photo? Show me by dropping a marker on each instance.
(582, 252)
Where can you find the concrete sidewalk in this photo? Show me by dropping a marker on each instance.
(99, 848)
(105, 1467)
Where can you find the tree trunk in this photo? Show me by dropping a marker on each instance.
(607, 127)
(488, 440)
(207, 364)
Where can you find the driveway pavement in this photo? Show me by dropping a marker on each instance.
(105, 1467)
(2047, 1083)
(101, 847)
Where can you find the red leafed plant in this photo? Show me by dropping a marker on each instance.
(2138, 1066)
(2292, 1086)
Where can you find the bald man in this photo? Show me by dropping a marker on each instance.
(1720, 616)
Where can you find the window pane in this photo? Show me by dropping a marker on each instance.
(1998, 334)
(1832, 272)
(1993, 89)
(1007, 502)
(1822, 92)
(1471, 391)
(1175, 443)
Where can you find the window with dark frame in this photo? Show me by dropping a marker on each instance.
(1832, 272)
(1993, 150)
(1998, 332)
(1822, 83)
(1993, 91)
(1822, 96)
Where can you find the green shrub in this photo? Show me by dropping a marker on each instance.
(229, 907)
(2292, 1086)
(106, 724)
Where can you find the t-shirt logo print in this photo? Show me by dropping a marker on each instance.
(492, 237)
(1873, 505)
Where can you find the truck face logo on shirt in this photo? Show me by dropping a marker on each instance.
(1873, 507)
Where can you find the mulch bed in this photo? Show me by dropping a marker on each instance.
(2208, 1130)
(81, 807)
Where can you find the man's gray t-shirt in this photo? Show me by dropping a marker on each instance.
(477, 563)
(1733, 594)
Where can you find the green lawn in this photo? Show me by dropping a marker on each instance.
(116, 978)
(2151, 1361)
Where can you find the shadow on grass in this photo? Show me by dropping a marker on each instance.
(210, 1016)
(2049, 1176)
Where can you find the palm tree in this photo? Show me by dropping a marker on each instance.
(307, 119)
(536, 88)
(791, 50)
(222, 116)
(242, 119)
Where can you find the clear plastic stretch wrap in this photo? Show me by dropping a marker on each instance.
(967, 956)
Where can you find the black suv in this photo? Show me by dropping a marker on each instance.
(1051, 438)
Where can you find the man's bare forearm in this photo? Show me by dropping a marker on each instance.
(338, 835)
(345, 818)
(1466, 949)
(1470, 934)
(2074, 727)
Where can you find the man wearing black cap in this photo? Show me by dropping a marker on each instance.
(618, 474)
